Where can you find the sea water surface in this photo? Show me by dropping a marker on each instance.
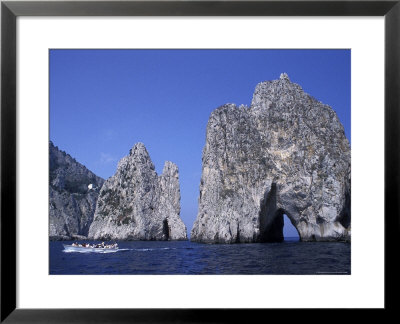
(184, 257)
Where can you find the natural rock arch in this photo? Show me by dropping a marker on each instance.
(271, 216)
(285, 154)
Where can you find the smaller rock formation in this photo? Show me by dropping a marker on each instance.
(73, 192)
(137, 204)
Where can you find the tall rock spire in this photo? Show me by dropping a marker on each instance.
(286, 154)
(137, 204)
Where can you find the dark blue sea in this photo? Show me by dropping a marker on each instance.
(183, 257)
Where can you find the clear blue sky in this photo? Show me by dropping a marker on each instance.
(102, 102)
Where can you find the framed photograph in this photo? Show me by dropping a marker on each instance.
(227, 146)
(136, 199)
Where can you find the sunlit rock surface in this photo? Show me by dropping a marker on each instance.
(73, 192)
(285, 154)
(137, 204)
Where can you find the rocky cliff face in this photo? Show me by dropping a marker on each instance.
(71, 202)
(285, 154)
(137, 204)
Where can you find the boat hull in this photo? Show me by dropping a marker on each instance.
(70, 248)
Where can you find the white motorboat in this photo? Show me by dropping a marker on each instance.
(75, 248)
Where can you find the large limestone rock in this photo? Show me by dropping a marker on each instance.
(136, 204)
(73, 192)
(285, 154)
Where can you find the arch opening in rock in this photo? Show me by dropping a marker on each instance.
(271, 219)
(290, 232)
(166, 230)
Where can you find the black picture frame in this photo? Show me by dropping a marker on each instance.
(10, 10)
